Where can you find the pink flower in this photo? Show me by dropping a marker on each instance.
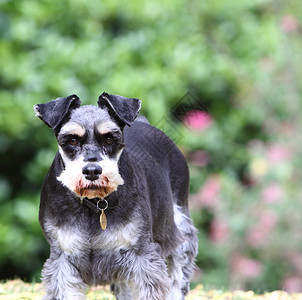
(267, 221)
(292, 284)
(294, 257)
(261, 232)
(199, 158)
(272, 193)
(278, 153)
(198, 120)
(219, 231)
(208, 195)
(257, 238)
(289, 23)
(246, 267)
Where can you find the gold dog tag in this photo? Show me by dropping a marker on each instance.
(103, 220)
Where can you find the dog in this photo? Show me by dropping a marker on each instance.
(114, 204)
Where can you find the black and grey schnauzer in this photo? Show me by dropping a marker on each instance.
(114, 204)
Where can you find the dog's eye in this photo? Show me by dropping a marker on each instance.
(73, 142)
(109, 140)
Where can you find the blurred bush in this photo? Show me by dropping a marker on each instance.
(221, 78)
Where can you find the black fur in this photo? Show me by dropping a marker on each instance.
(53, 113)
(123, 109)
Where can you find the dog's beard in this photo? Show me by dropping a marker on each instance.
(73, 179)
(98, 188)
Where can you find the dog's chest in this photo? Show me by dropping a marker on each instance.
(73, 241)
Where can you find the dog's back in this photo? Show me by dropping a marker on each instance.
(151, 147)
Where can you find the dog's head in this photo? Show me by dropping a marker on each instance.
(90, 140)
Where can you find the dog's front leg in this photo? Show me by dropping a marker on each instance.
(150, 280)
(61, 279)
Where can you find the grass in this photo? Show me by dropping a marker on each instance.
(18, 290)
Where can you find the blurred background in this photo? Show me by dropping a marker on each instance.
(221, 78)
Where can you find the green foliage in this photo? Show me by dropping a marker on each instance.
(237, 62)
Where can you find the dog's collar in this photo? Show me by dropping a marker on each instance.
(94, 205)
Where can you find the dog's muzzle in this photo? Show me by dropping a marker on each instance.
(91, 179)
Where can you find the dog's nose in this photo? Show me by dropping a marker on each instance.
(92, 171)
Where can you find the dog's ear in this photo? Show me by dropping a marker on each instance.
(121, 108)
(53, 112)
